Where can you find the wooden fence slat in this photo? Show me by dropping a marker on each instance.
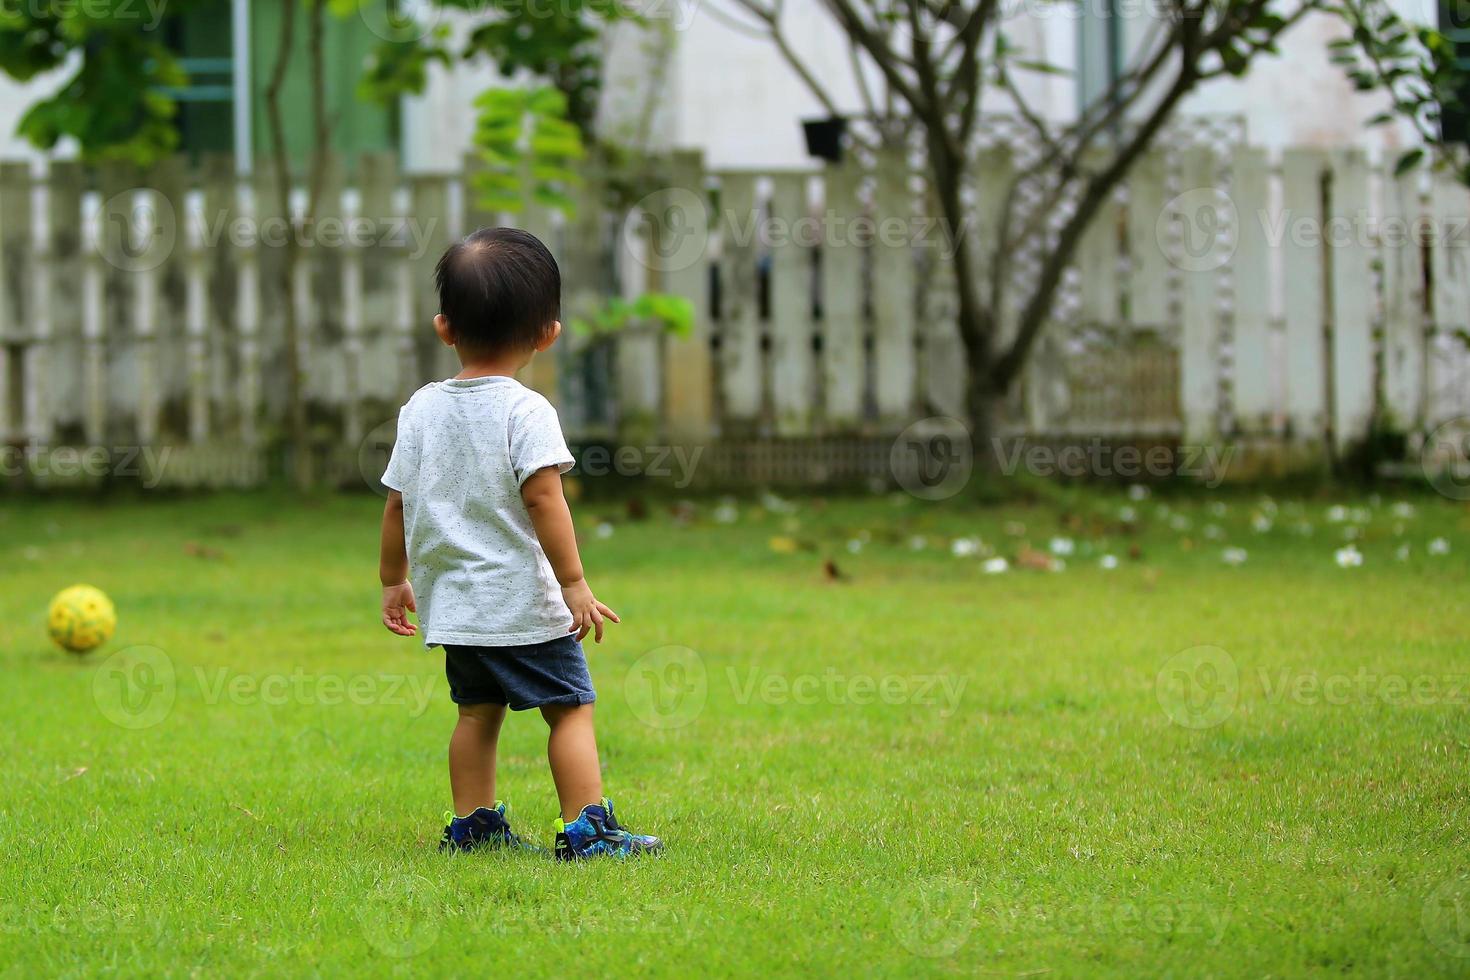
(1450, 256)
(639, 348)
(1199, 326)
(793, 362)
(41, 401)
(428, 201)
(196, 316)
(689, 376)
(1252, 398)
(1351, 366)
(893, 293)
(740, 316)
(1148, 266)
(15, 224)
(1099, 296)
(542, 372)
(842, 304)
(222, 233)
(250, 200)
(1303, 272)
(1403, 300)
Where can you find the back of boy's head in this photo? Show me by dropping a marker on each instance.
(500, 290)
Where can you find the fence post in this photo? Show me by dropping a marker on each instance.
(689, 371)
(739, 223)
(793, 361)
(894, 296)
(1304, 285)
(1199, 325)
(1451, 294)
(1351, 367)
(1251, 402)
(15, 222)
(1403, 300)
(842, 303)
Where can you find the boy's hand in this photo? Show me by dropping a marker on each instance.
(587, 613)
(397, 604)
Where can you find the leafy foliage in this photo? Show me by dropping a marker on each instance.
(556, 42)
(528, 148)
(1418, 68)
(115, 102)
(674, 314)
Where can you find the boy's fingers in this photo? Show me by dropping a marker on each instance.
(609, 613)
(413, 606)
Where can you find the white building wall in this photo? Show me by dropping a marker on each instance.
(733, 96)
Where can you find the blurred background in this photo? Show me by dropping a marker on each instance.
(789, 232)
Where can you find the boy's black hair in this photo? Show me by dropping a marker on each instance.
(500, 289)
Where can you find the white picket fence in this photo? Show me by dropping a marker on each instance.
(1221, 297)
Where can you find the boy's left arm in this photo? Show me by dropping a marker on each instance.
(398, 599)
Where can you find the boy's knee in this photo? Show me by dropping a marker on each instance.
(487, 714)
(556, 714)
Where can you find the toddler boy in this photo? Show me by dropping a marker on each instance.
(476, 511)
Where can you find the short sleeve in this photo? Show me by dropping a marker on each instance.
(403, 464)
(536, 441)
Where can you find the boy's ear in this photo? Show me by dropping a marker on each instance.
(549, 337)
(444, 330)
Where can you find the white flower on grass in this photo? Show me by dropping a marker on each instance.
(1108, 562)
(726, 512)
(776, 505)
(1234, 556)
(1403, 509)
(1349, 557)
(1268, 505)
(1439, 546)
(994, 566)
(1217, 508)
(1061, 546)
(604, 530)
(1336, 514)
(854, 546)
(1138, 492)
(1127, 515)
(1179, 522)
(1260, 523)
(1402, 553)
(917, 542)
(965, 547)
(1213, 532)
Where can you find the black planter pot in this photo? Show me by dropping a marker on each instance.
(824, 137)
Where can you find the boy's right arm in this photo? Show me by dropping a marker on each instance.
(398, 600)
(552, 519)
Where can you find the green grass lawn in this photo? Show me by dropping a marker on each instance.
(918, 768)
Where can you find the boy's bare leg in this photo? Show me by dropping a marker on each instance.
(571, 749)
(472, 756)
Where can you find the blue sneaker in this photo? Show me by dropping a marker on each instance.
(484, 828)
(596, 832)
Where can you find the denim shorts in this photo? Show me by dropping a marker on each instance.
(553, 672)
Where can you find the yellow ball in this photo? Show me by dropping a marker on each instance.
(82, 618)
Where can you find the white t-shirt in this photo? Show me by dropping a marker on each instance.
(462, 452)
